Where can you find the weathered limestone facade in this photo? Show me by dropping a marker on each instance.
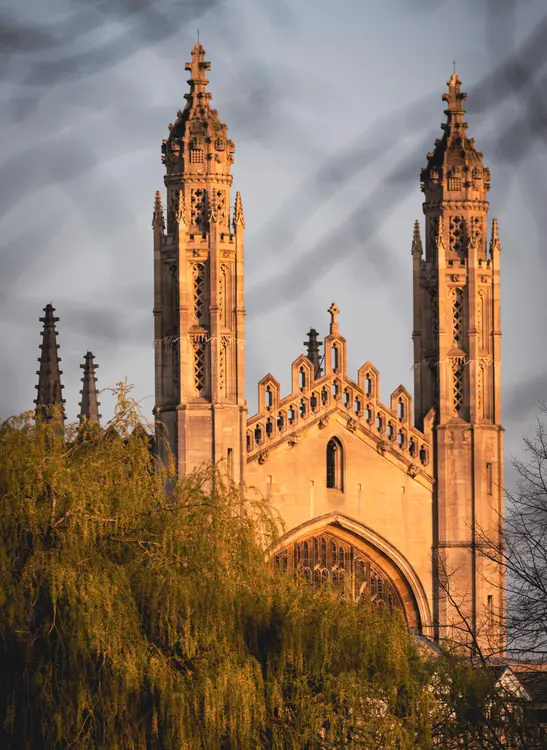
(391, 499)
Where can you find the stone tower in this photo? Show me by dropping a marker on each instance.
(457, 367)
(50, 390)
(198, 290)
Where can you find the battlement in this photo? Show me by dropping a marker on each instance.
(313, 399)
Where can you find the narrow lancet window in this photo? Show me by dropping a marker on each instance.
(335, 465)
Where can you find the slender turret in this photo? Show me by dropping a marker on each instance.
(312, 345)
(200, 409)
(50, 390)
(89, 405)
(457, 366)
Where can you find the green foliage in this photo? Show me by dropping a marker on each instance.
(134, 616)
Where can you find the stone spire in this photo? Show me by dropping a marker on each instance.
(312, 345)
(49, 375)
(158, 219)
(89, 405)
(417, 249)
(494, 240)
(239, 218)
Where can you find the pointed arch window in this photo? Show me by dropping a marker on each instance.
(335, 465)
(458, 317)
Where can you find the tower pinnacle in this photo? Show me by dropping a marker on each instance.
(239, 218)
(158, 219)
(197, 67)
(89, 405)
(49, 375)
(417, 248)
(312, 345)
(454, 98)
(334, 310)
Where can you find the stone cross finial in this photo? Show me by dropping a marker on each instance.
(334, 310)
(454, 96)
(198, 68)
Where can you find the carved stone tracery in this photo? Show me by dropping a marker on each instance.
(323, 559)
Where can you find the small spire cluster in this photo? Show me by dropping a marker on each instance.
(50, 388)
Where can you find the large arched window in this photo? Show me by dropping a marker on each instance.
(326, 559)
(335, 465)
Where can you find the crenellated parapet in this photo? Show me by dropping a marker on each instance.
(313, 401)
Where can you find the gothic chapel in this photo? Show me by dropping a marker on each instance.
(393, 499)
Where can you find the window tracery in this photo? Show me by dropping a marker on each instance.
(480, 391)
(458, 316)
(476, 233)
(457, 385)
(198, 207)
(433, 235)
(222, 369)
(434, 309)
(456, 234)
(199, 366)
(222, 287)
(198, 274)
(220, 206)
(324, 559)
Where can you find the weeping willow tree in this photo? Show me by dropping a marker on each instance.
(134, 616)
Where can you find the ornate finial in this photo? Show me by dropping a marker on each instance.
(198, 67)
(239, 218)
(334, 311)
(89, 405)
(417, 248)
(212, 214)
(453, 66)
(158, 219)
(495, 245)
(454, 97)
(180, 212)
(312, 345)
(49, 375)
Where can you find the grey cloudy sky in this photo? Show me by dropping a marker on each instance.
(332, 107)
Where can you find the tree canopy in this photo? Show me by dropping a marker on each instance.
(139, 611)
